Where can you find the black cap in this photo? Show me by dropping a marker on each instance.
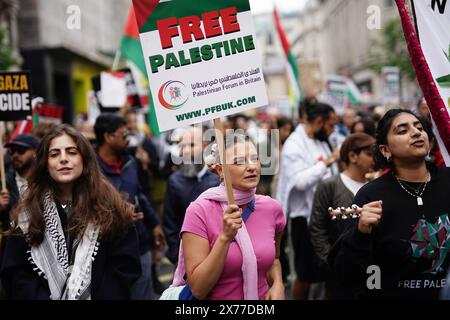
(24, 140)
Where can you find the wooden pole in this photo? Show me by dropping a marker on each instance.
(116, 61)
(226, 173)
(2, 162)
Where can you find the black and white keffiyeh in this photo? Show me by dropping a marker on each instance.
(66, 282)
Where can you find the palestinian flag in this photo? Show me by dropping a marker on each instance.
(146, 8)
(22, 127)
(131, 50)
(291, 64)
(336, 83)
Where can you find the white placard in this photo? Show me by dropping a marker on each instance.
(203, 79)
(113, 93)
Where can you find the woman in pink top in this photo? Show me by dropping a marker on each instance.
(226, 258)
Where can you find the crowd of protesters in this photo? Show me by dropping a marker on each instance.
(88, 213)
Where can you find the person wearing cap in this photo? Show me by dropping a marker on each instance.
(22, 150)
(23, 154)
(336, 192)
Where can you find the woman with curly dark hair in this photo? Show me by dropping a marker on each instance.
(72, 235)
(399, 247)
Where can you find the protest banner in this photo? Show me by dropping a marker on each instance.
(15, 104)
(15, 96)
(133, 97)
(336, 93)
(201, 61)
(113, 89)
(98, 93)
(391, 85)
(429, 50)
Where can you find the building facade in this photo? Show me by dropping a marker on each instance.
(337, 36)
(64, 43)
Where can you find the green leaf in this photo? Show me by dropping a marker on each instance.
(444, 81)
(445, 53)
(448, 57)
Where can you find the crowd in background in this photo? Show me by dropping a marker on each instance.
(335, 152)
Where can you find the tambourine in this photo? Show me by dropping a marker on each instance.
(353, 212)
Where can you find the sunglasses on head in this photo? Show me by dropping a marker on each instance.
(18, 149)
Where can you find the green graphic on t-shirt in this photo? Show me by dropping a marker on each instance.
(432, 241)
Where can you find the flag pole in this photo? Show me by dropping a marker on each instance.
(225, 169)
(116, 61)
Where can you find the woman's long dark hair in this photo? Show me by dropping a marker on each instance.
(94, 198)
(383, 128)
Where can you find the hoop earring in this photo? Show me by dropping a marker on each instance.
(389, 158)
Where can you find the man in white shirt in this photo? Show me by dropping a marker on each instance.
(306, 159)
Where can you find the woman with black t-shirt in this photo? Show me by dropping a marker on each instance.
(399, 246)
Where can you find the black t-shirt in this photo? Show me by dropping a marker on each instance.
(410, 245)
(63, 213)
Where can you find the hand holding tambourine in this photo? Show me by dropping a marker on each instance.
(369, 215)
(342, 213)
